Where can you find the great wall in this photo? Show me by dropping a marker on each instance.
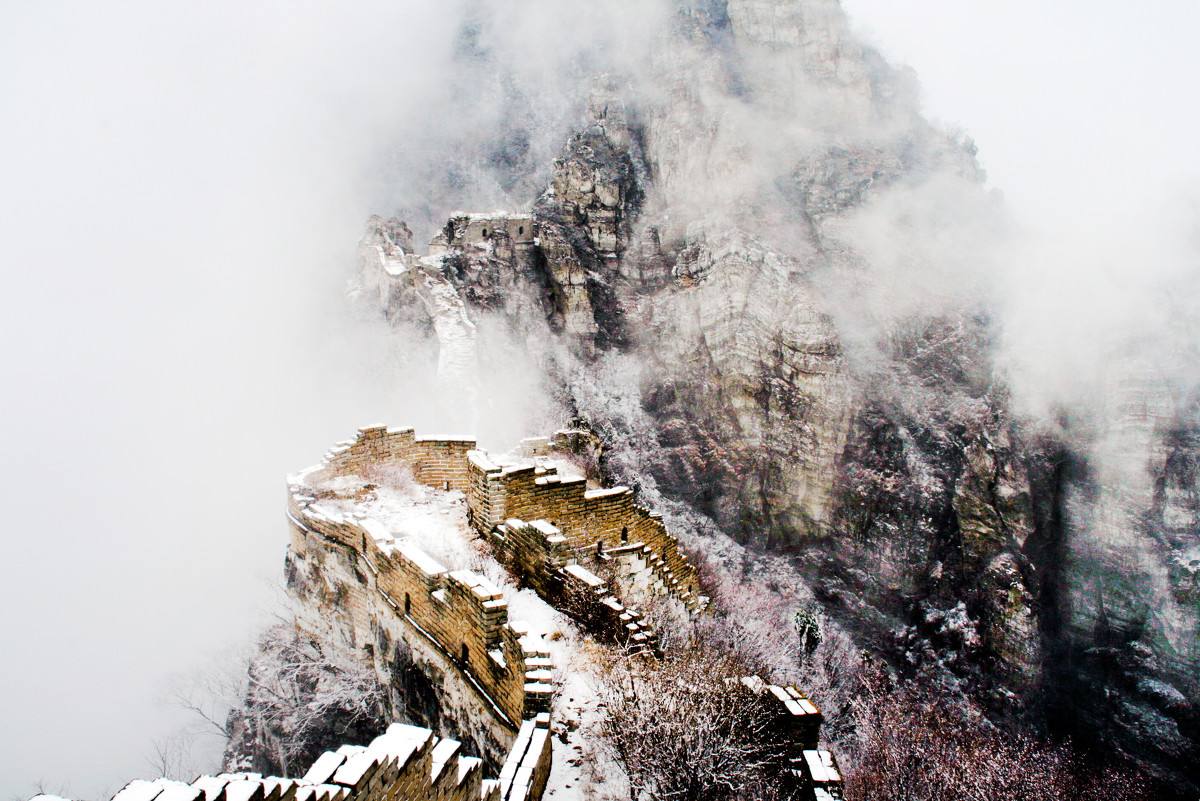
(370, 580)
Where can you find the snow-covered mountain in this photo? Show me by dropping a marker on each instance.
(755, 271)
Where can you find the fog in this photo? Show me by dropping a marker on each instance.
(1077, 110)
(183, 187)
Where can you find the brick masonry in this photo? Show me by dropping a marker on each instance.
(461, 612)
(405, 763)
(459, 621)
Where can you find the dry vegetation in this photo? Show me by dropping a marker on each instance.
(678, 732)
(304, 696)
(914, 746)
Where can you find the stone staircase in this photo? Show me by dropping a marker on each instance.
(638, 563)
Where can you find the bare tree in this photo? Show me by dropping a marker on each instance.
(209, 695)
(173, 757)
(771, 640)
(41, 787)
(303, 695)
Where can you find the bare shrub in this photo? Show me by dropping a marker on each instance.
(668, 618)
(778, 626)
(304, 696)
(772, 641)
(396, 476)
(911, 746)
(682, 733)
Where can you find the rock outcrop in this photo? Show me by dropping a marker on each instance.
(700, 240)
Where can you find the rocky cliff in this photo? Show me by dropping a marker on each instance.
(701, 287)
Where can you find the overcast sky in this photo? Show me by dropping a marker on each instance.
(1082, 114)
(180, 194)
(1075, 104)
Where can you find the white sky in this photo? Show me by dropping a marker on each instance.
(1074, 104)
(1084, 115)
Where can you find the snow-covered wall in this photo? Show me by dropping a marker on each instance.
(589, 519)
(461, 614)
(406, 762)
(357, 565)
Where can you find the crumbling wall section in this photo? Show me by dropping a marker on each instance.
(588, 519)
(458, 612)
(384, 588)
(539, 556)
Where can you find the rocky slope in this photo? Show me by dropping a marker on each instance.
(703, 293)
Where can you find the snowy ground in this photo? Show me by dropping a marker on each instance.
(433, 519)
(437, 521)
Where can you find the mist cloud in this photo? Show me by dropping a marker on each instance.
(183, 189)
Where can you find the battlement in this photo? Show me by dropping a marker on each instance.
(539, 555)
(405, 762)
(438, 462)
(599, 519)
(460, 612)
(479, 230)
(542, 525)
(374, 574)
(794, 716)
(594, 520)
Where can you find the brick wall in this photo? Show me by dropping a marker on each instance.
(539, 556)
(586, 518)
(440, 463)
(405, 763)
(460, 611)
(465, 618)
(568, 523)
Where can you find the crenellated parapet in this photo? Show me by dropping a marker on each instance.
(373, 575)
(539, 556)
(529, 488)
(459, 612)
(545, 527)
(794, 726)
(405, 762)
(569, 523)
(438, 462)
(591, 520)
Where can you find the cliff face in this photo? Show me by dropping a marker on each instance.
(1126, 611)
(702, 293)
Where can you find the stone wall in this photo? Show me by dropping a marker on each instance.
(538, 555)
(459, 612)
(440, 463)
(479, 230)
(353, 569)
(567, 520)
(406, 763)
(588, 519)
(410, 763)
